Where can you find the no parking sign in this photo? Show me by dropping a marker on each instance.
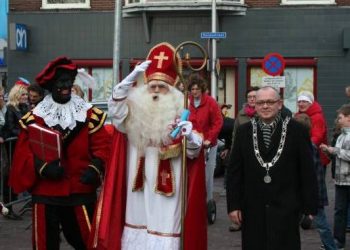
(273, 64)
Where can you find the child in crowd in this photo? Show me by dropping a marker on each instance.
(341, 151)
(320, 219)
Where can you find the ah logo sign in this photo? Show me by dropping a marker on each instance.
(18, 37)
(21, 37)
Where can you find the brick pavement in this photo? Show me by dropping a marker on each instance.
(17, 234)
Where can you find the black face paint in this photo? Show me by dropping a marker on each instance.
(61, 90)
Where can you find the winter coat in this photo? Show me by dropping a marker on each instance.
(271, 211)
(318, 128)
(208, 117)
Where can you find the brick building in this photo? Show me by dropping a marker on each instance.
(313, 36)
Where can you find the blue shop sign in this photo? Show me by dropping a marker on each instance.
(18, 37)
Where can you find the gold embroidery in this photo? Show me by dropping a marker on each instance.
(30, 118)
(152, 231)
(135, 226)
(26, 115)
(86, 217)
(140, 167)
(98, 218)
(97, 110)
(156, 190)
(163, 234)
(94, 117)
(22, 124)
(101, 122)
(171, 151)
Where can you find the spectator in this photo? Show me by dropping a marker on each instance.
(180, 86)
(320, 219)
(76, 90)
(244, 115)
(2, 108)
(17, 106)
(226, 136)
(248, 110)
(347, 93)
(270, 178)
(206, 112)
(35, 94)
(341, 151)
(307, 105)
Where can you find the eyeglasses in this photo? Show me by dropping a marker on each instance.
(267, 102)
(251, 97)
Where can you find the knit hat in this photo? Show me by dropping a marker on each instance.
(306, 96)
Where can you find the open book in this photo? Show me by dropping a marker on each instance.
(44, 142)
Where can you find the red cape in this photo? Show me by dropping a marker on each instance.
(107, 228)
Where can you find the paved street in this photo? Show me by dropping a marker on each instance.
(16, 234)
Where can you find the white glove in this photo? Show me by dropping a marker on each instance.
(122, 88)
(186, 129)
(4, 210)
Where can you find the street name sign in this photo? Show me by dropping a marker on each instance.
(213, 35)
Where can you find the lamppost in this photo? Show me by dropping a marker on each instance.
(116, 44)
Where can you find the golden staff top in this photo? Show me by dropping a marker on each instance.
(187, 58)
(177, 62)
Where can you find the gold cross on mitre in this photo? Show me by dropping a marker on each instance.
(160, 59)
(164, 176)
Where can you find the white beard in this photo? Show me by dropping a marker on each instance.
(148, 120)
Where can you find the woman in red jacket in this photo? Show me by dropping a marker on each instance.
(206, 112)
(309, 106)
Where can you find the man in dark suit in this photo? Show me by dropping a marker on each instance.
(271, 179)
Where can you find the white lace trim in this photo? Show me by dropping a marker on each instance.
(139, 239)
(66, 115)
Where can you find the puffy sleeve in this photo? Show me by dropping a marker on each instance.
(22, 174)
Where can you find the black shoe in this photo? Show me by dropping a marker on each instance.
(234, 227)
(306, 222)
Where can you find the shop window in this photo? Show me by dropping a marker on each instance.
(102, 72)
(300, 74)
(65, 4)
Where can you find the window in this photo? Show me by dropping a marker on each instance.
(312, 2)
(65, 4)
(102, 71)
(300, 75)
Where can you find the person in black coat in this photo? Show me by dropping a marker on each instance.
(271, 178)
(17, 106)
(224, 136)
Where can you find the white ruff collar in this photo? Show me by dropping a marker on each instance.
(66, 115)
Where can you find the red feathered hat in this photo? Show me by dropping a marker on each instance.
(48, 73)
(162, 67)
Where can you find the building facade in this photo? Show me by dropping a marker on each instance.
(313, 36)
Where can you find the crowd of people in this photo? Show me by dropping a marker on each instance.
(156, 164)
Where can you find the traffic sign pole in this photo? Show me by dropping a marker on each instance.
(213, 85)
